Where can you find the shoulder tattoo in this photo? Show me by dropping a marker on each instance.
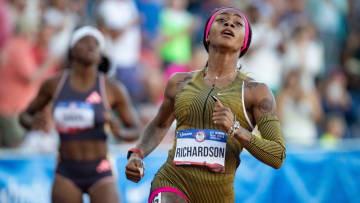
(266, 107)
(250, 85)
(180, 84)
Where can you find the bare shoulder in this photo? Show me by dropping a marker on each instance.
(181, 77)
(49, 85)
(177, 81)
(113, 86)
(116, 92)
(256, 88)
(261, 97)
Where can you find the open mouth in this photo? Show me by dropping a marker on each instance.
(228, 32)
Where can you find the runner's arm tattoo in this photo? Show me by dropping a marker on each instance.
(267, 107)
(251, 84)
(155, 131)
(263, 101)
(269, 147)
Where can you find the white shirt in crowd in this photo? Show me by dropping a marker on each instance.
(124, 51)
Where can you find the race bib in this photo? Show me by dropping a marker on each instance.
(202, 147)
(73, 117)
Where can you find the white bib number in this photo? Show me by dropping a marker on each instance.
(203, 147)
(72, 117)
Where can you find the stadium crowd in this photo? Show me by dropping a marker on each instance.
(306, 51)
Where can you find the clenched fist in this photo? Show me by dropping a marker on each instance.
(222, 116)
(135, 168)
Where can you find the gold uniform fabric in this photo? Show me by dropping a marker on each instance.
(193, 110)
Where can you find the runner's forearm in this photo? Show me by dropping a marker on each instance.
(129, 134)
(269, 147)
(151, 138)
(25, 120)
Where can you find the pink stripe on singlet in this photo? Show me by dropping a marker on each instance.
(208, 26)
(60, 84)
(103, 93)
(166, 189)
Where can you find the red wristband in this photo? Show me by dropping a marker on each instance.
(137, 151)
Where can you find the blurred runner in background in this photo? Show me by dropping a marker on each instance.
(82, 101)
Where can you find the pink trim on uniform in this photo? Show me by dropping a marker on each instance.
(166, 189)
(208, 26)
(103, 93)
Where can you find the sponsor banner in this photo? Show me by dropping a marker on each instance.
(306, 176)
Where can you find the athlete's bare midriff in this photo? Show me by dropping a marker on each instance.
(83, 150)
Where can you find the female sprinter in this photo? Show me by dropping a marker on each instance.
(82, 102)
(216, 109)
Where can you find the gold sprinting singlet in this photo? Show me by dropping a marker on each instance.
(193, 110)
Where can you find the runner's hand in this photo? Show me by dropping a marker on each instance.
(41, 122)
(135, 168)
(222, 117)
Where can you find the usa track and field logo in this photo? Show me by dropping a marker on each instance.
(200, 136)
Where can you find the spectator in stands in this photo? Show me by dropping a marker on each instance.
(299, 111)
(5, 25)
(41, 51)
(19, 82)
(263, 52)
(59, 16)
(304, 52)
(335, 130)
(119, 19)
(150, 12)
(44, 139)
(176, 26)
(335, 98)
(329, 18)
(351, 66)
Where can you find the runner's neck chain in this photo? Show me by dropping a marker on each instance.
(236, 70)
